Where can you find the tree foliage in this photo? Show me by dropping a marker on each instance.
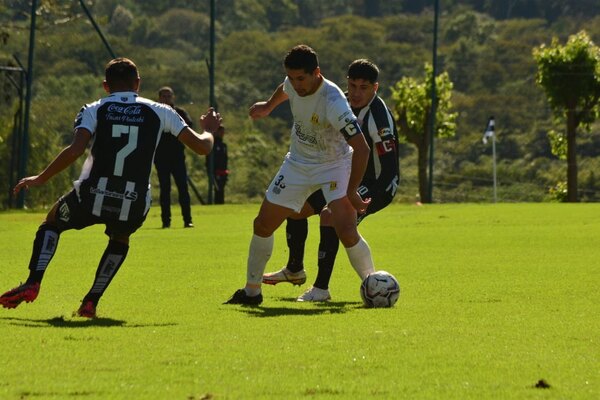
(570, 77)
(485, 47)
(413, 110)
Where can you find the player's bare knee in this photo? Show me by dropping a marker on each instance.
(349, 239)
(51, 216)
(326, 218)
(347, 233)
(261, 228)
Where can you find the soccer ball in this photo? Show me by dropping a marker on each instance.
(380, 289)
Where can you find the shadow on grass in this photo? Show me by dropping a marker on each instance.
(317, 308)
(76, 394)
(61, 322)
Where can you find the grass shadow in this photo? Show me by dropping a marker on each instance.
(318, 308)
(62, 322)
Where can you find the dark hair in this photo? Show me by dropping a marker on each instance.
(121, 73)
(167, 89)
(301, 57)
(363, 69)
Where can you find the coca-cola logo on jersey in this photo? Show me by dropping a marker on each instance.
(127, 110)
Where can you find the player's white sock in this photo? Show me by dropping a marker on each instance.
(258, 255)
(360, 258)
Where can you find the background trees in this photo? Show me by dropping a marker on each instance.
(413, 113)
(485, 47)
(570, 76)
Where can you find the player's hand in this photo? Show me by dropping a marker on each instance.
(358, 203)
(211, 121)
(27, 182)
(259, 110)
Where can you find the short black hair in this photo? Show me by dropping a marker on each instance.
(301, 57)
(363, 69)
(167, 89)
(121, 72)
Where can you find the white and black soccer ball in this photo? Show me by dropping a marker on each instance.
(380, 289)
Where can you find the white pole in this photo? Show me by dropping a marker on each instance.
(494, 164)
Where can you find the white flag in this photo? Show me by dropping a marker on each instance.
(489, 131)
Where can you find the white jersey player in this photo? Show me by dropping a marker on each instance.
(327, 152)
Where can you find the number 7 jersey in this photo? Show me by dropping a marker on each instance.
(125, 128)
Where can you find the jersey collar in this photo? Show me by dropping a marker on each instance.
(125, 97)
(363, 111)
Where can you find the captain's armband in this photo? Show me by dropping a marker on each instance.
(350, 129)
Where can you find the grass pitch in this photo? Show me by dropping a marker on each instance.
(497, 302)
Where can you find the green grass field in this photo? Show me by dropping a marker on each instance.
(494, 299)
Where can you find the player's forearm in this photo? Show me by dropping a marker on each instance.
(200, 143)
(64, 159)
(360, 158)
(278, 97)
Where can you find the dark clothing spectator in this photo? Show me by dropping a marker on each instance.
(221, 173)
(170, 161)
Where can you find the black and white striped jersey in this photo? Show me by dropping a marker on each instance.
(125, 128)
(379, 128)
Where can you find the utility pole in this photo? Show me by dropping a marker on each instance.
(17, 132)
(433, 101)
(25, 143)
(211, 97)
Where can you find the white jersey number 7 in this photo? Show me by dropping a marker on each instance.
(117, 131)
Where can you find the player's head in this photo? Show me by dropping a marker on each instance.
(362, 82)
(301, 57)
(166, 95)
(302, 68)
(121, 74)
(363, 69)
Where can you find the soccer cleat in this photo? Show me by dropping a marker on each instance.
(240, 297)
(315, 294)
(188, 225)
(87, 309)
(285, 275)
(26, 292)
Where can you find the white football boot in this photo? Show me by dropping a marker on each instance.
(284, 275)
(315, 294)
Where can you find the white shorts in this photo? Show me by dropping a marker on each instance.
(296, 181)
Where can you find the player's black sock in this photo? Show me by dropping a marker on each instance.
(296, 232)
(328, 248)
(44, 247)
(111, 260)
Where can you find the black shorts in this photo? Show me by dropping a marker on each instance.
(379, 200)
(75, 214)
(317, 201)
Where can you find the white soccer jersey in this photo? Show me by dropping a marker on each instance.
(321, 120)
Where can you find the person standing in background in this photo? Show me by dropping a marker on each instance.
(170, 160)
(220, 174)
